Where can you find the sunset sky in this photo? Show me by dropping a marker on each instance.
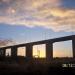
(23, 21)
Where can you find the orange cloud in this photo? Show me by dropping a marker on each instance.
(6, 42)
(45, 13)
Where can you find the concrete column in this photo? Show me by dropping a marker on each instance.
(2, 52)
(13, 51)
(73, 47)
(49, 50)
(29, 51)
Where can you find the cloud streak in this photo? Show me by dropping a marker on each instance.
(6, 42)
(31, 13)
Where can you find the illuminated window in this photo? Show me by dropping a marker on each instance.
(8, 52)
(62, 49)
(39, 51)
(21, 51)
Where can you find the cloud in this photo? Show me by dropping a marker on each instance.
(6, 42)
(45, 13)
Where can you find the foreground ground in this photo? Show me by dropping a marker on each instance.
(37, 67)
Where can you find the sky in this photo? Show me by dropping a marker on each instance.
(23, 21)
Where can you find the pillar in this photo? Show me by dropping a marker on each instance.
(73, 47)
(2, 52)
(13, 51)
(29, 51)
(49, 50)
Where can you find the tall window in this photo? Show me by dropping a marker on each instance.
(21, 51)
(62, 49)
(8, 52)
(39, 51)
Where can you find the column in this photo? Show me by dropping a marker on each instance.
(49, 50)
(73, 47)
(2, 52)
(13, 51)
(29, 51)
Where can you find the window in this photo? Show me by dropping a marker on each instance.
(62, 49)
(21, 51)
(8, 52)
(39, 51)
